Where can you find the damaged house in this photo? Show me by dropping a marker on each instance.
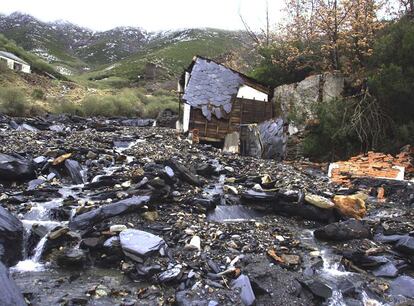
(221, 104)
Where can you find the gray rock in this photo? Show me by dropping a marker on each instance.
(92, 217)
(405, 245)
(11, 238)
(10, 294)
(246, 291)
(342, 231)
(318, 288)
(140, 243)
(387, 270)
(403, 285)
(15, 168)
(183, 173)
(170, 275)
(75, 171)
(73, 258)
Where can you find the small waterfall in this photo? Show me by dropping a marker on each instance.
(39, 249)
(32, 264)
(332, 272)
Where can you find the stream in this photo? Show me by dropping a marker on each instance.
(39, 214)
(328, 270)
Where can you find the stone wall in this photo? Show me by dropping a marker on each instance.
(298, 101)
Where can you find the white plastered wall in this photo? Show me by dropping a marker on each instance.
(248, 92)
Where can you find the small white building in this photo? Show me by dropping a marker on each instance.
(14, 62)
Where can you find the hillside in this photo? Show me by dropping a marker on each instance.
(168, 53)
(122, 55)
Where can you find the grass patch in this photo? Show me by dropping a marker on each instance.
(13, 102)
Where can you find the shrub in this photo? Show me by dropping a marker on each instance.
(153, 109)
(126, 103)
(330, 140)
(3, 67)
(13, 102)
(38, 94)
(63, 106)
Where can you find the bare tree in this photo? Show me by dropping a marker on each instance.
(264, 37)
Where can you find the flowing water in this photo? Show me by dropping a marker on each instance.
(333, 273)
(39, 214)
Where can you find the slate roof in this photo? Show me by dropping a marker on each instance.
(13, 57)
(211, 88)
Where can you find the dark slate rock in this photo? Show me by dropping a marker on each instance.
(246, 291)
(11, 238)
(27, 127)
(33, 184)
(342, 231)
(92, 217)
(72, 259)
(10, 294)
(140, 243)
(403, 285)
(147, 271)
(74, 170)
(405, 245)
(15, 168)
(183, 173)
(388, 239)
(318, 288)
(361, 260)
(170, 275)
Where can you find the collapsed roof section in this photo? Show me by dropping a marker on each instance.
(211, 87)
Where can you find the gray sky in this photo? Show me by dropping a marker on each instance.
(152, 15)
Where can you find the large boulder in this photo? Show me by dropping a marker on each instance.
(343, 231)
(92, 217)
(350, 206)
(333, 86)
(10, 294)
(11, 238)
(16, 168)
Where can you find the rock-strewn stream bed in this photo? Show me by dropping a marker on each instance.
(114, 212)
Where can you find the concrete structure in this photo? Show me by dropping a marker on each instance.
(14, 62)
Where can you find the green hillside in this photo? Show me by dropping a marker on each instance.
(36, 63)
(170, 55)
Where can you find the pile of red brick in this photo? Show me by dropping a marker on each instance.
(377, 165)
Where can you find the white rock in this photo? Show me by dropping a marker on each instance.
(117, 228)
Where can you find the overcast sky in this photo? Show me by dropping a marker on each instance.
(151, 15)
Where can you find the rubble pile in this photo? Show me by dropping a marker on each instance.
(372, 164)
(115, 212)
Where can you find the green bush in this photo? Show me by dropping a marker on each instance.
(63, 106)
(126, 103)
(13, 102)
(155, 107)
(331, 140)
(3, 66)
(38, 94)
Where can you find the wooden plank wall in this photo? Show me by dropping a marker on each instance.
(244, 111)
